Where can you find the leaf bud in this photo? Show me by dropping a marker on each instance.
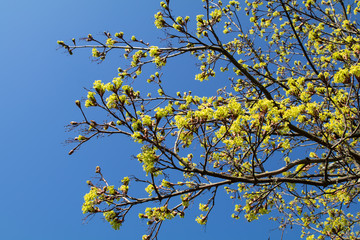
(89, 38)
(145, 237)
(61, 43)
(80, 138)
(119, 34)
(163, 5)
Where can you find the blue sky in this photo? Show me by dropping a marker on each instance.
(42, 187)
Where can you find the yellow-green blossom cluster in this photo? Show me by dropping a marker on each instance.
(112, 218)
(148, 158)
(157, 214)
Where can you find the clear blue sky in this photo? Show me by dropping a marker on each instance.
(42, 187)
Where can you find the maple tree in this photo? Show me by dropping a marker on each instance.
(281, 136)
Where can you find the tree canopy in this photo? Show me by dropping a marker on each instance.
(281, 136)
